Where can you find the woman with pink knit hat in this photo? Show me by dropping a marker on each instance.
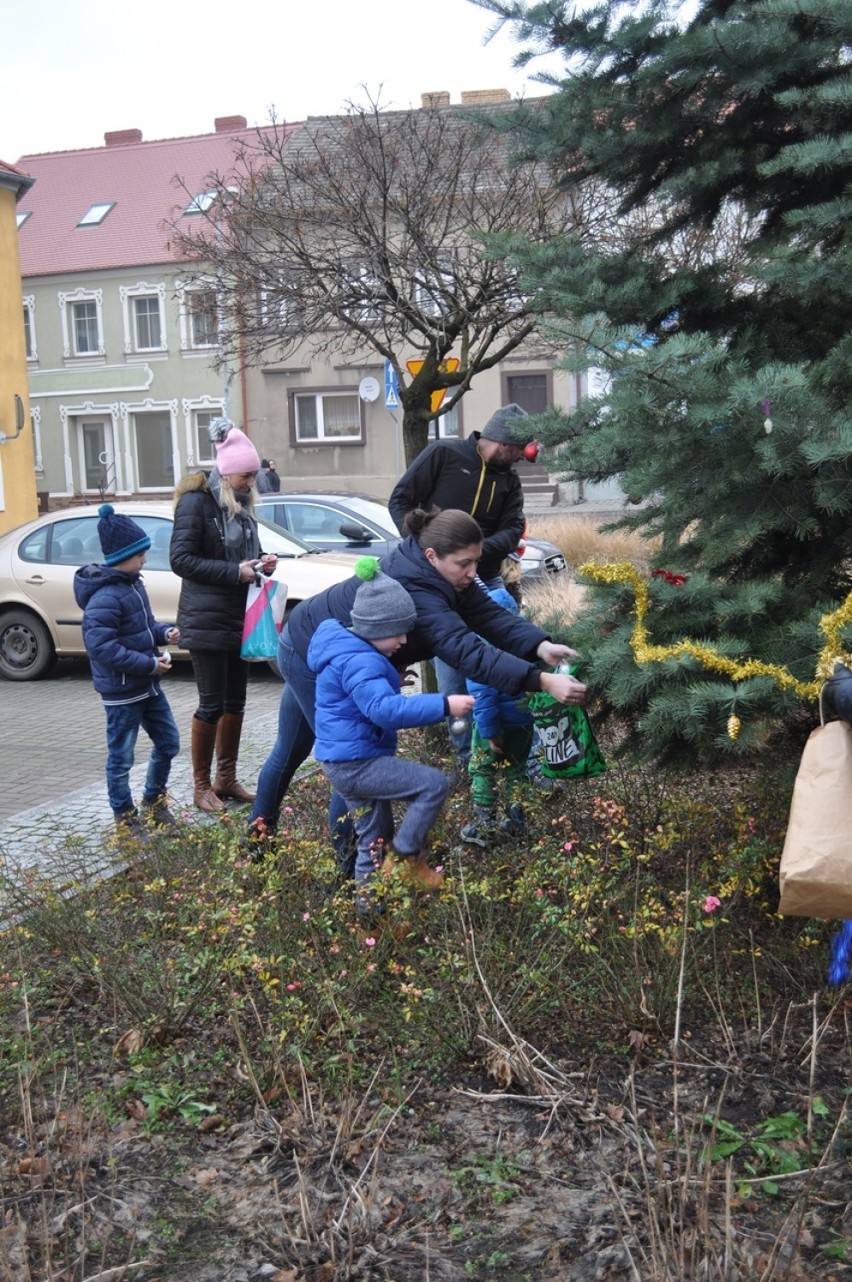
(215, 548)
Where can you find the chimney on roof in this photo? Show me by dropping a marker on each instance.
(121, 137)
(226, 124)
(438, 99)
(471, 97)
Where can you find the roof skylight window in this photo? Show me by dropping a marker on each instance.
(96, 214)
(23, 215)
(201, 203)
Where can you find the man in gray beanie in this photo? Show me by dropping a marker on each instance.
(475, 475)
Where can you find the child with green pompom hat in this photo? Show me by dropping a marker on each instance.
(359, 709)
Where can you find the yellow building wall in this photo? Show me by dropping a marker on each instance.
(18, 501)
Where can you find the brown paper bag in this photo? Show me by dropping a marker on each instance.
(816, 863)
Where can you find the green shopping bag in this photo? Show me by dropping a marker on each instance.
(569, 748)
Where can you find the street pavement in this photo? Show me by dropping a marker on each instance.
(53, 753)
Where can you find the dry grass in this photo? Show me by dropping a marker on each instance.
(580, 539)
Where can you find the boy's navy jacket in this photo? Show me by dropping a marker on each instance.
(463, 628)
(119, 632)
(359, 707)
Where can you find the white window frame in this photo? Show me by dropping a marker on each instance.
(96, 213)
(284, 313)
(190, 410)
(29, 327)
(438, 426)
(425, 298)
(69, 348)
(184, 292)
(128, 295)
(319, 395)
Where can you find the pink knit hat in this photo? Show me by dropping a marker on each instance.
(234, 451)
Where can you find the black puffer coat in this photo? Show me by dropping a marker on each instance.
(205, 552)
(466, 629)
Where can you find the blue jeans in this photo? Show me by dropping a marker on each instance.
(369, 786)
(293, 745)
(123, 722)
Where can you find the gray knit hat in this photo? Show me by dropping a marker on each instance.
(382, 607)
(506, 426)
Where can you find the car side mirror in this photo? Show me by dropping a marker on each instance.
(356, 533)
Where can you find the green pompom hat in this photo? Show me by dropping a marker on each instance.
(382, 607)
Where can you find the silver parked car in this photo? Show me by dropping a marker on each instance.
(358, 523)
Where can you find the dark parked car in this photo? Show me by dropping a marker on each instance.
(359, 523)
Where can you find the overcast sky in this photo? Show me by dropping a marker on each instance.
(70, 70)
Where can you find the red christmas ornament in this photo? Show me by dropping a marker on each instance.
(531, 451)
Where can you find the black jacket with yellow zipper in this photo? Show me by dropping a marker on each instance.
(452, 474)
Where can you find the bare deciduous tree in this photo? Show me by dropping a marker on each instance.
(367, 232)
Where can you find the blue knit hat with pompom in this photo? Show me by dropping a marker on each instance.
(120, 537)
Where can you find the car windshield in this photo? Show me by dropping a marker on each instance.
(274, 539)
(373, 511)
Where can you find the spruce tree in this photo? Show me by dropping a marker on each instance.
(716, 297)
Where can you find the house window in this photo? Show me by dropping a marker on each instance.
(326, 417)
(82, 325)
(29, 328)
(201, 203)
(203, 318)
(152, 436)
(533, 391)
(147, 323)
(436, 292)
(143, 308)
(84, 317)
(95, 214)
(205, 452)
(448, 426)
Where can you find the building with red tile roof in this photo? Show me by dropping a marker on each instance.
(121, 351)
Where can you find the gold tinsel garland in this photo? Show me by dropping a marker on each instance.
(644, 651)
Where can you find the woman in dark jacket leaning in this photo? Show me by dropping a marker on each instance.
(215, 548)
(456, 620)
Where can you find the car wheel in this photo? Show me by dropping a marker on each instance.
(26, 650)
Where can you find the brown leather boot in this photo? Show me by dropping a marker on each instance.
(227, 750)
(202, 747)
(413, 869)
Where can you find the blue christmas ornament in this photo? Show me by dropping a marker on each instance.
(839, 970)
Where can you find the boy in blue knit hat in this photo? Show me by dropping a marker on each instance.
(121, 638)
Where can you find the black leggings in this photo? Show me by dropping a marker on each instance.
(221, 677)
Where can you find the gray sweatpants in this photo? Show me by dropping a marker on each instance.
(369, 786)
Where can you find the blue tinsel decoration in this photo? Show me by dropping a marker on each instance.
(839, 969)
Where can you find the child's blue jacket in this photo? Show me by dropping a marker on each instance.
(359, 707)
(120, 633)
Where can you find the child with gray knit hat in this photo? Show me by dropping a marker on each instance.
(359, 709)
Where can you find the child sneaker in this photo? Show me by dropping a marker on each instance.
(156, 811)
(483, 829)
(515, 823)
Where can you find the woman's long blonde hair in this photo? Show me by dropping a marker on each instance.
(229, 501)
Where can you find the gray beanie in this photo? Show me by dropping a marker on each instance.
(506, 426)
(382, 607)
